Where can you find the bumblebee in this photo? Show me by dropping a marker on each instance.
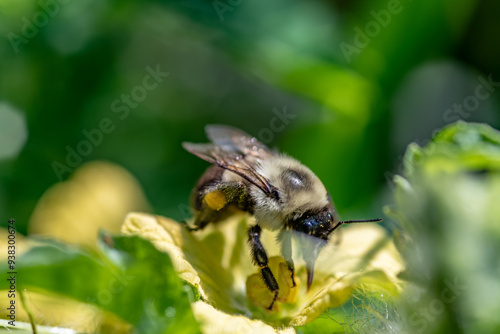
(280, 192)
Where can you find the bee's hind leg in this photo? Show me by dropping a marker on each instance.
(202, 219)
(259, 257)
(188, 227)
(210, 203)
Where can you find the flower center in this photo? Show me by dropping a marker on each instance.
(260, 295)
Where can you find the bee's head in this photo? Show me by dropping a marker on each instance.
(318, 225)
(315, 229)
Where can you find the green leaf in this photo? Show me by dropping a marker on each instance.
(458, 147)
(365, 312)
(130, 278)
(447, 203)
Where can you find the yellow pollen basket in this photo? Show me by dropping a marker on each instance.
(215, 200)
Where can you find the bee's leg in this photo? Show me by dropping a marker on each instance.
(187, 226)
(259, 257)
(285, 238)
(203, 218)
(210, 202)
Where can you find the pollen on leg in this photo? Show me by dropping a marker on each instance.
(216, 200)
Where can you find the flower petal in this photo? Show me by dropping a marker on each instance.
(216, 261)
(96, 196)
(198, 262)
(215, 321)
(367, 257)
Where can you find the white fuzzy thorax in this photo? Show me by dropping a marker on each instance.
(271, 214)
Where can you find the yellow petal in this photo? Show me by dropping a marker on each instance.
(366, 257)
(216, 259)
(57, 310)
(214, 321)
(194, 259)
(167, 236)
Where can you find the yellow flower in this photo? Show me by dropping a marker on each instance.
(232, 295)
(98, 195)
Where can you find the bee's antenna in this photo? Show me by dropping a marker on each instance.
(355, 221)
(361, 221)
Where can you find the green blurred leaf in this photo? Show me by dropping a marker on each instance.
(130, 279)
(459, 147)
(447, 203)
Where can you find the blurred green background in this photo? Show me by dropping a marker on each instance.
(344, 86)
(358, 80)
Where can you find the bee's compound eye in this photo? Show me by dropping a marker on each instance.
(306, 226)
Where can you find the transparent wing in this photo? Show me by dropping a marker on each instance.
(236, 151)
(232, 139)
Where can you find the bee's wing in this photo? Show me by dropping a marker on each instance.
(234, 140)
(229, 149)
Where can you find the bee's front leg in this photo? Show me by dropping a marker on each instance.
(259, 257)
